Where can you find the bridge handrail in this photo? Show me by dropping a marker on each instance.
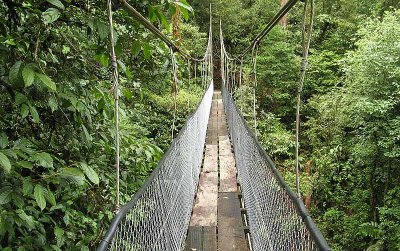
(204, 106)
(314, 231)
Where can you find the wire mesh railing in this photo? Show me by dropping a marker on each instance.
(158, 216)
(278, 219)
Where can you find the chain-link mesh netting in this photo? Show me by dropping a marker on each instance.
(276, 216)
(157, 218)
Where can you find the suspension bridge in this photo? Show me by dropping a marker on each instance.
(215, 188)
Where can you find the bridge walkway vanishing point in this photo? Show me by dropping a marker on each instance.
(218, 219)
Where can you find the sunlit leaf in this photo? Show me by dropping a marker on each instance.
(46, 80)
(35, 114)
(25, 164)
(56, 3)
(39, 196)
(73, 175)
(27, 186)
(50, 197)
(28, 75)
(5, 162)
(50, 15)
(52, 104)
(24, 110)
(44, 159)
(90, 173)
(27, 219)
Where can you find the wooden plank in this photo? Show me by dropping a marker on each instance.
(211, 159)
(230, 227)
(209, 238)
(227, 167)
(225, 147)
(194, 239)
(205, 207)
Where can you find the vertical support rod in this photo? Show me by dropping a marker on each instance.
(255, 49)
(306, 41)
(115, 89)
(188, 99)
(240, 85)
(174, 89)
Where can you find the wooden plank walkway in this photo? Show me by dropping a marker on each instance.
(216, 222)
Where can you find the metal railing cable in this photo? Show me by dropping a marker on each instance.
(278, 219)
(157, 217)
(148, 25)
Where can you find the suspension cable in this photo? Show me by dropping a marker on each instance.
(254, 53)
(234, 78)
(188, 99)
(195, 73)
(271, 24)
(115, 90)
(306, 41)
(174, 89)
(146, 23)
(240, 85)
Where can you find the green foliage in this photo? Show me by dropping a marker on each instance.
(349, 151)
(57, 175)
(355, 131)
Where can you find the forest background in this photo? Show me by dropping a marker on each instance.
(57, 177)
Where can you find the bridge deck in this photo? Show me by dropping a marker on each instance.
(217, 222)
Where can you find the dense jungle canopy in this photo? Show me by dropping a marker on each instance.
(57, 174)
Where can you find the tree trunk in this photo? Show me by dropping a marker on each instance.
(176, 19)
(284, 20)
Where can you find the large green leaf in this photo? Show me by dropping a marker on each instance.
(28, 75)
(25, 164)
(163, 20)
(27, 219)
(46, 80)
(3, 140)
(14, 75)
(5, 162)
(50, 15)
(50, 197)
(44, 159)
(73, 175)
(24, 110)
(53, 104)
(90, 173)
(39, 192)
(185, 13)
(35, 114)
(88, 137)
(20, 98)
(184, 5)
(27, 187)
(59, 233)
(56, 3)
(5, 195)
